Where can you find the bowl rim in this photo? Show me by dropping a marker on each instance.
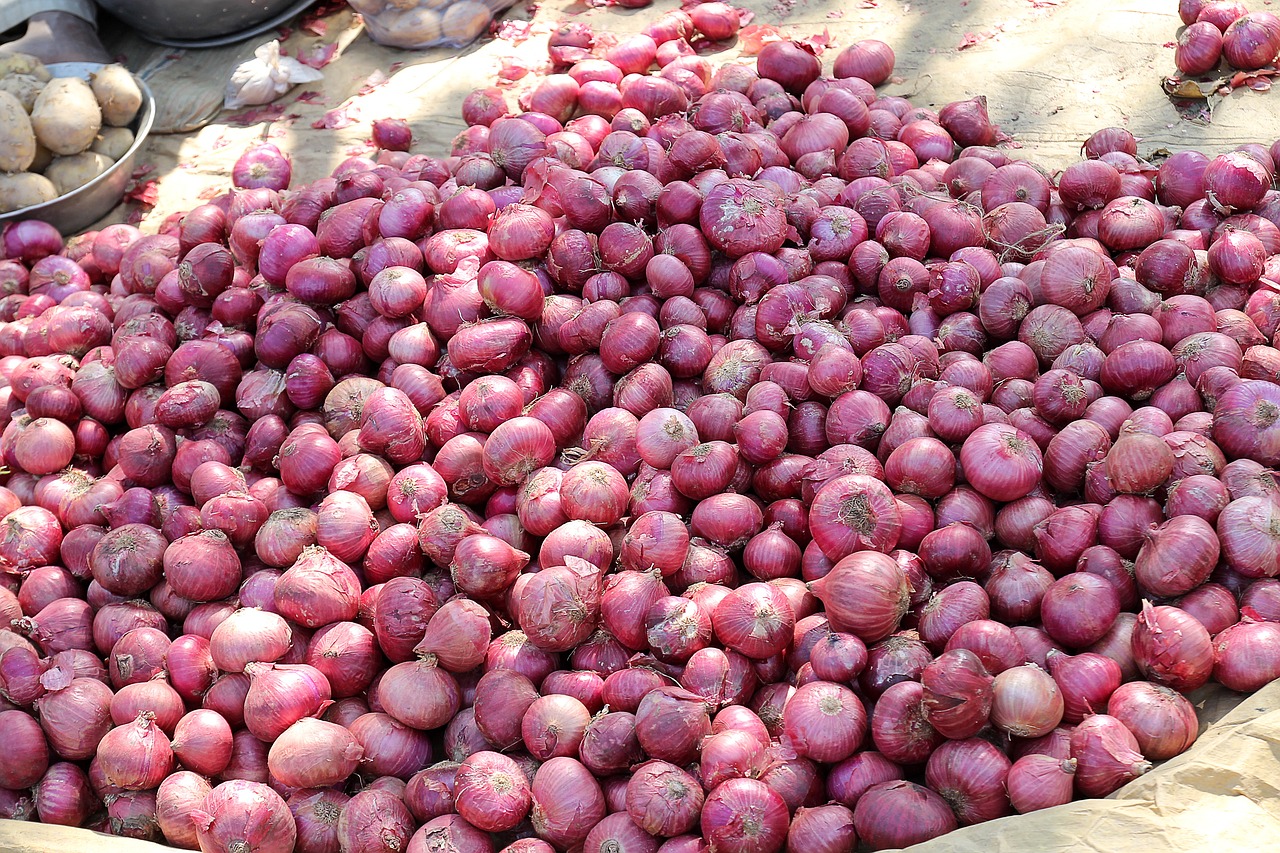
(294, 8)
(145, 121)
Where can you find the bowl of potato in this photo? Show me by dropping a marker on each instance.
(69, 136)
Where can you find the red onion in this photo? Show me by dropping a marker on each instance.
(390, 748)
(970, 775)
(419, 694)
(899, 814)
(31, 752)
(899, 724)
(64, 796)
(1244, 532)
(609, 743)
(457, 634)
(177, 797)
(1137, 464)
(731, 754)
(190, 666)
(1177, 556)
(876, 583)
(838, 657)
(615, 832)
(745, 815)
(449, 832)
(794, 257)
(1016, 588)
(132, 814)
(554, 726)
(202, 742)
(1040, 781)
(313, 754)
(1172, 648)
(429, 794)
(825, 721)
(1086, 681)
(1162, 721)
(663, 800)
(152, 697)
(247, 636)
(868, 59)
(1004, 464)
(346, 654)
(502, 699)
(670, 723)
(957, 694)
(202, 566)
(491, 792)
(559, 605)
(316, 813)
(1107, 755)
(280, 695)
(373, 821)
(1078, 608)
(949, 608)
(755, 620)
(1026, 702)
(1245, 655)
(567, 802)
(241, 815)
(75, 715)
(1252, 40)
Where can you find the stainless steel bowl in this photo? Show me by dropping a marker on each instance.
(203, 23)
(80, 208)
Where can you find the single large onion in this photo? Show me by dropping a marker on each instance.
(314, 754)
(1172, 648)
(1162, 720)
(899, 814)
(745, 816)
(1247, 655)
(244, 817)
(1107, 755)
(866, 595)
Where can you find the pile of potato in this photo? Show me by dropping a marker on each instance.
(59, 133)
(416, 24)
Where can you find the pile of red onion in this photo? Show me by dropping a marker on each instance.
(720, 459)
(1218, 30)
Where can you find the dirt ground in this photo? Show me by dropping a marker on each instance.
(1053, 71)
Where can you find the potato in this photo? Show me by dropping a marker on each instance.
(368, 7)
(76, 170)
(117, 93)
(24, 87)
(17, 141)
(464, 21)
(42, 159)
(25, 189)
(23, 63)
(412, 28)
(66, 117)
(113, 142)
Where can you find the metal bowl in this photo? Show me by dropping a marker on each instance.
(203, 23)
(80, 208)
